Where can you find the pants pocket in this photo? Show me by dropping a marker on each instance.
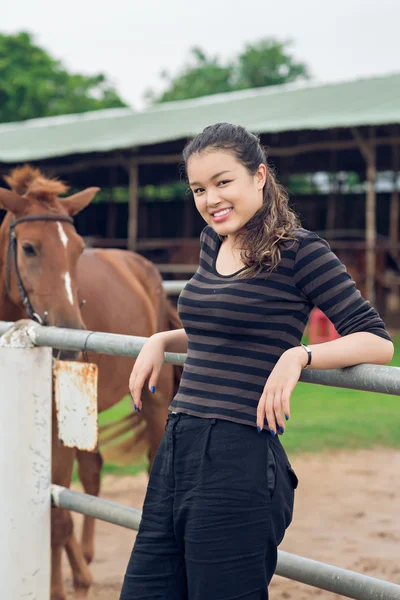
(282, 481)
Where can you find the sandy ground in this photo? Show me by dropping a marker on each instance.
(347, 513)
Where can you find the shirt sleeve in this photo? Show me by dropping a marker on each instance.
(324, 281)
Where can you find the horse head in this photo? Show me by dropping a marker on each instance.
(41, 248)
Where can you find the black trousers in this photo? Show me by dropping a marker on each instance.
(219, 499)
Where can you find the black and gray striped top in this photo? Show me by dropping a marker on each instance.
(238, 328)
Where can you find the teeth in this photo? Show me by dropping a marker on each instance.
(222, 212)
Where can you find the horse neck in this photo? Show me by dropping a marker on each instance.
(8, 310)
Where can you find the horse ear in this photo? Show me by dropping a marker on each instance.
(12, 201)
(77, 202)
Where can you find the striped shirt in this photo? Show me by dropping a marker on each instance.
(238, 328)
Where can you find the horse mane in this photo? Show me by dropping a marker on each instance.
(27, 181)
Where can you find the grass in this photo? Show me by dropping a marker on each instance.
(322, 418)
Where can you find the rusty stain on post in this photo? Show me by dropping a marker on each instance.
(75, 391)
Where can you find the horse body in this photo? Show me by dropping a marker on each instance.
(122, 293)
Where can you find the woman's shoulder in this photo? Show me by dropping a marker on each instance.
(304, 237)
(208, 235)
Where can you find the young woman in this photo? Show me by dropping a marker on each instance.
(221, 489)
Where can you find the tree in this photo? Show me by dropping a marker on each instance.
(203, 76)
(34, 84)
(267, 62)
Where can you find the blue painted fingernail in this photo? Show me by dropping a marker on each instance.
(153, 389)
(258, 428)
(286, 417)
(281, 429)
(135, 407)
(272, 432)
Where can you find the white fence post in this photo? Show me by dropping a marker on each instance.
(25, 472)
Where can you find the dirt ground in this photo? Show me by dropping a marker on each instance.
(346, 514)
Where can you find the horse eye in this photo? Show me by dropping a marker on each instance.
(29, 250)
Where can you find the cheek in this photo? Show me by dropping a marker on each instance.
(200, 204)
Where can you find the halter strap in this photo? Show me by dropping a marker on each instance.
(64, 218)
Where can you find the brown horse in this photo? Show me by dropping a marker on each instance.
(45, 272)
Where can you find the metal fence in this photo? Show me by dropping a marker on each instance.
(30, 511)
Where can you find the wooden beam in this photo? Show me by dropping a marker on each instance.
(364, 147)
(123, 160)
(133, 204)
(370, 219)
(111, 225)
(350, 144)
(331, 209)
(394, 202)
(368, 150)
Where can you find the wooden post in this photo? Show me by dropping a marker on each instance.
(370, 220)
(394, 204)
(331, 210)
(112, 209)
(368, 150)
(133, 203)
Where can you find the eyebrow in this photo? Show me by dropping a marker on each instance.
(211, 178)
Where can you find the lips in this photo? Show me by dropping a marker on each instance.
(221, 212)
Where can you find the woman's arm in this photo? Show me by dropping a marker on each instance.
(355, 348)
(173, 341)
(324, 282)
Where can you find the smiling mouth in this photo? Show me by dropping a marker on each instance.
(222, 213)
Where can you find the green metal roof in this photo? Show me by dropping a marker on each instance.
(367, 101)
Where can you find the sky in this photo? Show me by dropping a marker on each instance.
(133, 41)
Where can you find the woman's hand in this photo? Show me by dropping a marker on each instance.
(275, 399)
(148, 364)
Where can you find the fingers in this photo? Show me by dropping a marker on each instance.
(274, 406)
(154, 378)
(269, 411)
(137, 381)
(286, 403)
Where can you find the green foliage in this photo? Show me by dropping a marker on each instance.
(267, 62)
(33, 84)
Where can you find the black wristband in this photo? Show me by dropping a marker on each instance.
(309, 354)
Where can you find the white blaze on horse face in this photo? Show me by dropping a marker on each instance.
(63, 235)
(68, 287)
(66, 276)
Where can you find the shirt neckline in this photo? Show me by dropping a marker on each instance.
(214, 262)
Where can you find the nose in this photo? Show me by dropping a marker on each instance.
(213, 201)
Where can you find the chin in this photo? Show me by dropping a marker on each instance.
(226, 229)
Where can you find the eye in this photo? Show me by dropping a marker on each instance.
(224, 182)
(198, 190)
(29, 250)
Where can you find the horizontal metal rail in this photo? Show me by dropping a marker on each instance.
(326, 577)
(174, 287)
(370, 378)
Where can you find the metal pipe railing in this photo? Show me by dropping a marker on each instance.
(366, 377)
(326, 577)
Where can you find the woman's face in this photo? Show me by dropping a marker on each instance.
(225, 193)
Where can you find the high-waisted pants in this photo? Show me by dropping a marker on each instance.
(219, 499)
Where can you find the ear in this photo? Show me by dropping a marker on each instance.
(12, 201)
(77, 202)
(261, 176)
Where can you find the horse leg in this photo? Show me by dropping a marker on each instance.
(62, 533)
(89, 470)
(61, 520)
(82, 577)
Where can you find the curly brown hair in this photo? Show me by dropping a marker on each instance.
(274, 222)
